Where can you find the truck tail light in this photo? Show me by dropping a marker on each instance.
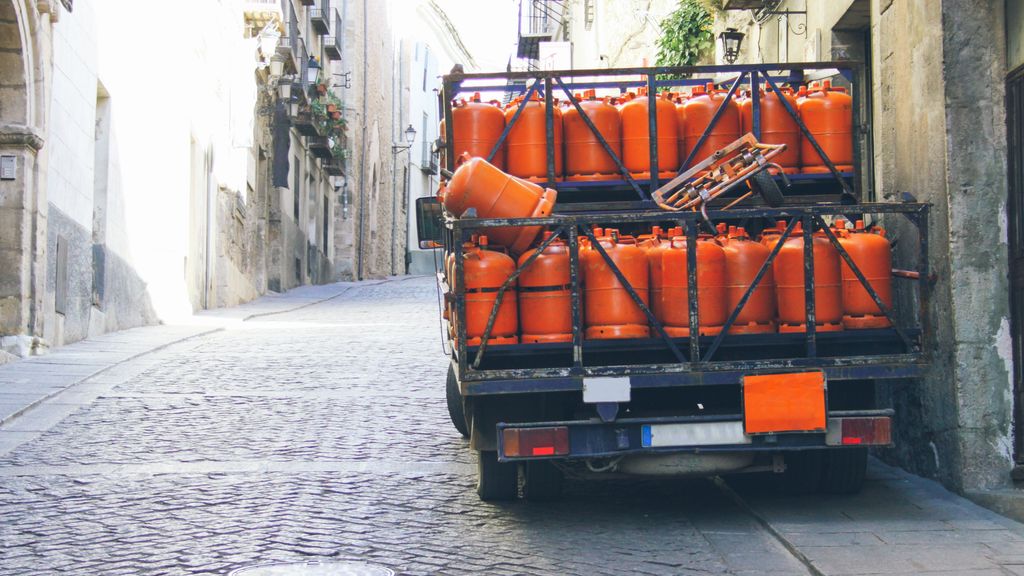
(534, 442)
(859, 431)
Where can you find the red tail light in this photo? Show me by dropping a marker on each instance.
(867, 431)
(534, 442)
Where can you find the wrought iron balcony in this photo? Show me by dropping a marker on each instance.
(335, 166)
(539, 21)
(305, 124)
(332, 44)
(319, 146)
(428, 163)
(319, 17)
(291, 39)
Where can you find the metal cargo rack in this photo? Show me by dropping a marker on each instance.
(632, 193)
(664, 361)
(895, 352)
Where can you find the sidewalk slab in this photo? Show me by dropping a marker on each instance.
(26, 383)
(899, 524)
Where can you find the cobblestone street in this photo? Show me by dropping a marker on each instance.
(322, 433)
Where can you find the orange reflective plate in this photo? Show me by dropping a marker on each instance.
(793, 402)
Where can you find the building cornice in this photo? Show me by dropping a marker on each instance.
(20, 135)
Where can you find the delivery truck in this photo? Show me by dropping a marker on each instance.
(607, 316)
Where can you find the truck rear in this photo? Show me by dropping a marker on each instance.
(639, 354)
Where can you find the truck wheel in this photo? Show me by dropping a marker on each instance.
(803, 472)
(844, 470)
(456, 410)
(495, 480)
(542, 481)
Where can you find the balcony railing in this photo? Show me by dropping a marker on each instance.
(428, 163)
(332, 44)
(291, 29)
(319, 17)
(303, 57)
(319, 146)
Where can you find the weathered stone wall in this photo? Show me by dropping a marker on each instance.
(976, 190)
(25, 70)
(367, 229)
(938, 132)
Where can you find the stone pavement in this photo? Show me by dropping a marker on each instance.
(312, 425)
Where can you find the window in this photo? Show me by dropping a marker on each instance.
(426, 58)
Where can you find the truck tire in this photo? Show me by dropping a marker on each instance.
(542, 481)
(844, 470)
(456, 410)
(496, 481)
(803, 472)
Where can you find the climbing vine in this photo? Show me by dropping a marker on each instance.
(686, 34)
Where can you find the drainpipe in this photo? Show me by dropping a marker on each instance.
(362, 153)
(394, 177)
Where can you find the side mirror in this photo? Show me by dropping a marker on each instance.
(429, 230)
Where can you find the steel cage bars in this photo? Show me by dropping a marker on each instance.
(453, 84)
(809, 217)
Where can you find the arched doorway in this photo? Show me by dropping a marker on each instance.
(24, 39)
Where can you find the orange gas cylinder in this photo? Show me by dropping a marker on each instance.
(742, 96)
(801, 95)
(722, 232)
(609, 311)
(636, 151)
(476, 128)
(743, 259)
(698, 112)
(681, 126)
(494, 194)
(654, 253)
(777, 126)
(484, 271)
(527, 155)
(672, 287)
(545, 300)
(828, 114)
(648, 241)
(871, 252)
(585, 158)
(788, 268)
(770, 236)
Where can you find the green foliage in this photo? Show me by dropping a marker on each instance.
(685, 35)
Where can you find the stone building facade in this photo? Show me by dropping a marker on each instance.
(370, 238)
(143, 186)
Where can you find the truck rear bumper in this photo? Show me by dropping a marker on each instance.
(587, 439)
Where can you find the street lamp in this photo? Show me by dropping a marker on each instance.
(410, 137)
(312, 70)
(284, 89)
(731, 39)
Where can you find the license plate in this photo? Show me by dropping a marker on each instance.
(693, 434)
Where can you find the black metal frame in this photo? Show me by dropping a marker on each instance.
(907, 351)
(693, 360)
(544, 82)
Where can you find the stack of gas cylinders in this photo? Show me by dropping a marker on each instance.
(536, 308)
(624, 123)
